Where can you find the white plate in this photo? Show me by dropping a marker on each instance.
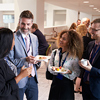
(60, 71)
(43, 58)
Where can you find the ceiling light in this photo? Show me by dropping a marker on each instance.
(94, 8)
(91, 5)
(86, 2)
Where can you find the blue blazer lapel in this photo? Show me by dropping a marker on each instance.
(21, 41)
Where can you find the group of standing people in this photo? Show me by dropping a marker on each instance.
(19, 58)
(62, 85)
(18, 65)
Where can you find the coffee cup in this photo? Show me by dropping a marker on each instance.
(84, 62)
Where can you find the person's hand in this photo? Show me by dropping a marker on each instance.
(31, 59)
(88, 67)
(68, 72)
(25, 71)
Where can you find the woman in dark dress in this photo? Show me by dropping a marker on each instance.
(8, 71)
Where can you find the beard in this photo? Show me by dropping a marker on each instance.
(25, 30)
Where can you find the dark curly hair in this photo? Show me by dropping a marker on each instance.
(75, 43)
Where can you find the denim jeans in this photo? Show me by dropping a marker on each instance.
(31, 90)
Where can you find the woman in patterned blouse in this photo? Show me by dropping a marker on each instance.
(70, 50)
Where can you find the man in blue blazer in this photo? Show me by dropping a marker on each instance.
(91, 76)
(20, 56)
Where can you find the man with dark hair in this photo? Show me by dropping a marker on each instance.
(43, 45)
(91, 76)
(23, 53)
(78, 22)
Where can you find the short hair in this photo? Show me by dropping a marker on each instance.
(75, 43)
(26, 14)
(96, 21)
(84, 20)
(6, 38)
(82, 30)
(78, 20)
(35, 26)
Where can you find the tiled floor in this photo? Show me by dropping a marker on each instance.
(44, 84)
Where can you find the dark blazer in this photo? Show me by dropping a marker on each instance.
(43, 45)
(94, 78)
(86, 40)
(8, 86)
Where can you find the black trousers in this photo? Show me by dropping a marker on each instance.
(86, 93)
(61, 89)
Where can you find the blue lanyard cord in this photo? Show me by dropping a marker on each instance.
(94, 54)
(25, 43)
(63, 60)
(59, 76)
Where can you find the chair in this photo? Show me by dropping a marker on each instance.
(48, 50)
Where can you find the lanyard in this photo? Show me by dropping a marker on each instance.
(60, 54)
(93, 55)
(63, 60)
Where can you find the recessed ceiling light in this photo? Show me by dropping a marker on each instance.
(86, 2)
(94, 8)
(91, 5)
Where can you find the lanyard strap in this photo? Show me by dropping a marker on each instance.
(25, 43)
(63, 60)
(94, 54)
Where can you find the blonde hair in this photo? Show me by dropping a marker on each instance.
(82, 30)
(75, 43)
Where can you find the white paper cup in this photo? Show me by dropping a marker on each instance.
(84, 62)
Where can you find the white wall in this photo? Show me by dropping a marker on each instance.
(71, 17)
(94, 17)
(7, 1)
(7, 7)
(50, 12)
(1, 19)
(82, 15)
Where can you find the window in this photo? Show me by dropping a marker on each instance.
(59, 17)
(8, 18)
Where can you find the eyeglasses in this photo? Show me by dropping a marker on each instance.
(93, 29)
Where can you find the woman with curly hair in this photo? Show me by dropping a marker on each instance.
(70, 49)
